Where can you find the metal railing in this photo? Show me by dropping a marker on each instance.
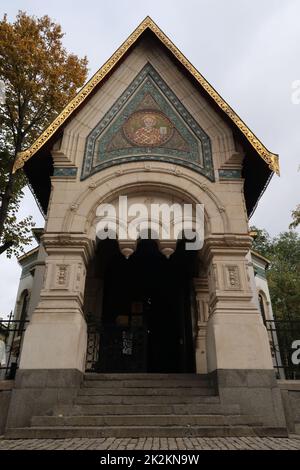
(283, 335)
(11, 337)
(113, 348)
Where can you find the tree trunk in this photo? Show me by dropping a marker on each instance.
(6, 197)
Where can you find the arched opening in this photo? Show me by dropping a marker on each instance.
(262, 307)
(24, 309)
(144, 322)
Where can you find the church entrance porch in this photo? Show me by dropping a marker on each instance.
(145, 322)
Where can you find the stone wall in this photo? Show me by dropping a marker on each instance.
(290, 392)
(5, 395)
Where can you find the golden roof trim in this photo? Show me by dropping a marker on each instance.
(258, 255)
(270, 158)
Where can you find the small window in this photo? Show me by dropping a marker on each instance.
(262, 308)
(23, 315)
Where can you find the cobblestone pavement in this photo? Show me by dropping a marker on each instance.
(154, 443)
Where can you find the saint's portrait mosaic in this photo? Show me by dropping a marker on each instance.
(148, 122)
(148, 128)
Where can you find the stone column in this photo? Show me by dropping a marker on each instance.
(236, 336)
(201, 291)
(238, 352)
(55, 342)
(56, 336)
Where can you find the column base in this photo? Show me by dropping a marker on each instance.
(256, 392)
(37, 391)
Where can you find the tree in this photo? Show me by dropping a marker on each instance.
(295, 217)
(283, 273)
(40, 78)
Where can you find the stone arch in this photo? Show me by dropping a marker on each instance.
(263, 305)
(132, 178)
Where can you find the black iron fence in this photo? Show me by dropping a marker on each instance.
(11, 339)
(284, 337)
(116, 349)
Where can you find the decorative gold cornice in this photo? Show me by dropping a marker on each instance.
(270, 158)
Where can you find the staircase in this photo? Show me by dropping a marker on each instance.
(140, 405)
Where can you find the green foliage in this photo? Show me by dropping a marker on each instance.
(16, 233)
(283, 273)
(40, 78)
(295, 217)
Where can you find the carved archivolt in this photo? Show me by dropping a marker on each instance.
(107, 186)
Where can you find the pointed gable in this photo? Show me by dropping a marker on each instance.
(148, 122)
(179, 137)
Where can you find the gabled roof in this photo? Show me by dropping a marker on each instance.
(269, 158)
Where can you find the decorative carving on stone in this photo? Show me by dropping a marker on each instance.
(215, 275)
(64, 239)
(62, 275)
(167, 252)
(127, 252)
(232, 277)
(79, 273)
(177, 171)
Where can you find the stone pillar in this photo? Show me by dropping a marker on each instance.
(56, 335)
(201, 292)
(55, 342)
(236, 336)
(238, 353)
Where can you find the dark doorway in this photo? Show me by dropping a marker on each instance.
(146, 323)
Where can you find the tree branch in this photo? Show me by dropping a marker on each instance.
(5, 246)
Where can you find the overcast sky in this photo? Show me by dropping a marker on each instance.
(249, 50)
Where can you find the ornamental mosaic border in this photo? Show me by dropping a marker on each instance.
(260, 272)
(148, 80)
(230, 174)
(65, 172)
(146, 88)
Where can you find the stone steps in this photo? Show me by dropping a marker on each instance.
(144, 376)
(136, 384)
(145, 399)
(145, 409)
(142, 431)
(144, 405)
(65, 432)
(150, 391)
(144, 420)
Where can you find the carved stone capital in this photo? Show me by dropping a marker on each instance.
(68, 244)
(227, 244)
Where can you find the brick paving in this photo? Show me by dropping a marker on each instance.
(154, 443)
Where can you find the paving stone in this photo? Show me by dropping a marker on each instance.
(154, 443)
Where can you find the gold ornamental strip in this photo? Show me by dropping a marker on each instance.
(270, 158)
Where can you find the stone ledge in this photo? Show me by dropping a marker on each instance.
(292, 385)
(6, 385)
